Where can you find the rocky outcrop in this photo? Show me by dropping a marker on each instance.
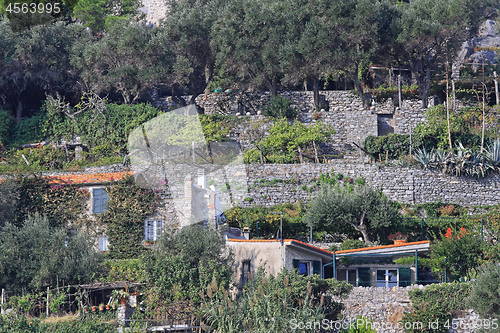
(483, 48)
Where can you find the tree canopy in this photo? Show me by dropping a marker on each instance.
(36, 255)
(356, 209)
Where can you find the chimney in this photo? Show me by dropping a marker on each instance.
(246, 232)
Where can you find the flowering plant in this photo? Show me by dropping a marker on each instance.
(397, 236)
(462, 233)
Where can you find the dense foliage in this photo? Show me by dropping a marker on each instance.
(353, 210)
(284, 141)
(458, 252)
(390, 146)
(485, 293)
(264, 222)
(312, 41)
(465, 127)
(32, 325)
(37, 255)
(269, 303)
(184, 262)
(436, 302)
(128, 207)
(63, 204)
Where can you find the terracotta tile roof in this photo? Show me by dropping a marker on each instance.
(381, 247)
(88, 178)
(277, 240)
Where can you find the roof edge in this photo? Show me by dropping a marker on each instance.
(292, 241)
(381, 247)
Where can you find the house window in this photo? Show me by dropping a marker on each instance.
(101, 199)
(387, 278)
(152, 229)
(245, 271)
(103, 244)
(307, 268)
(304, 268)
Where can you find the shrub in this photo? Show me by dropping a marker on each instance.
(393, 145)
(131, 270)
(29, 130)
(185, 262)
(463, 253)
(37, 255)
(437, 302)
(363, 325)
(280, 107)
(281, 146)
(5, 126)
(350, 244)
(485, 293)
(269, 304)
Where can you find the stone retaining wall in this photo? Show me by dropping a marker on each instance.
(351, 121)
(293, 182)
(385, 308)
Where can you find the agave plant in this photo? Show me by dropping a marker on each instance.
(493, 152)
(440, 155)
(424, 157)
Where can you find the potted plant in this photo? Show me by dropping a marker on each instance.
(94, 308)
(101, 307)
(108, 306)
(121, 295)
(398, 238)
(149, 242)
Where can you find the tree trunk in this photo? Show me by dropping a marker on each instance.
(316, 93)
(366, 235)
(272, 86)
(423, 80)
(19, 110)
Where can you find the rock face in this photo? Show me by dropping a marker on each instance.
(483, 48)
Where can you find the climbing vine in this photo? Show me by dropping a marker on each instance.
(63, 204)
(128, 207)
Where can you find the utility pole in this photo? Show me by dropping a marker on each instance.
(496, 88)
(484, 114)
(447, 99)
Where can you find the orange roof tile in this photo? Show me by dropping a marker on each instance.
(381, 247)
(277, 240)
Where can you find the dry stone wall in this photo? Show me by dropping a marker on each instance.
(271, 184)
(351, 121)
(385, 308)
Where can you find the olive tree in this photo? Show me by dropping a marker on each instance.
(357, 209)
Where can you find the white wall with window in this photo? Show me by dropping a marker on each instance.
(153, 229)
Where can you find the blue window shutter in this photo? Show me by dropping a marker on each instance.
(105, 199)
(158, 228)
(101, 199)
(97, 195)
(295, 263)
(316, 267)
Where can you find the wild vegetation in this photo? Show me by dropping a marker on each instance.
(60, 80)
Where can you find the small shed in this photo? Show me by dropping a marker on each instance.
(375, 267)
(94, 294)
